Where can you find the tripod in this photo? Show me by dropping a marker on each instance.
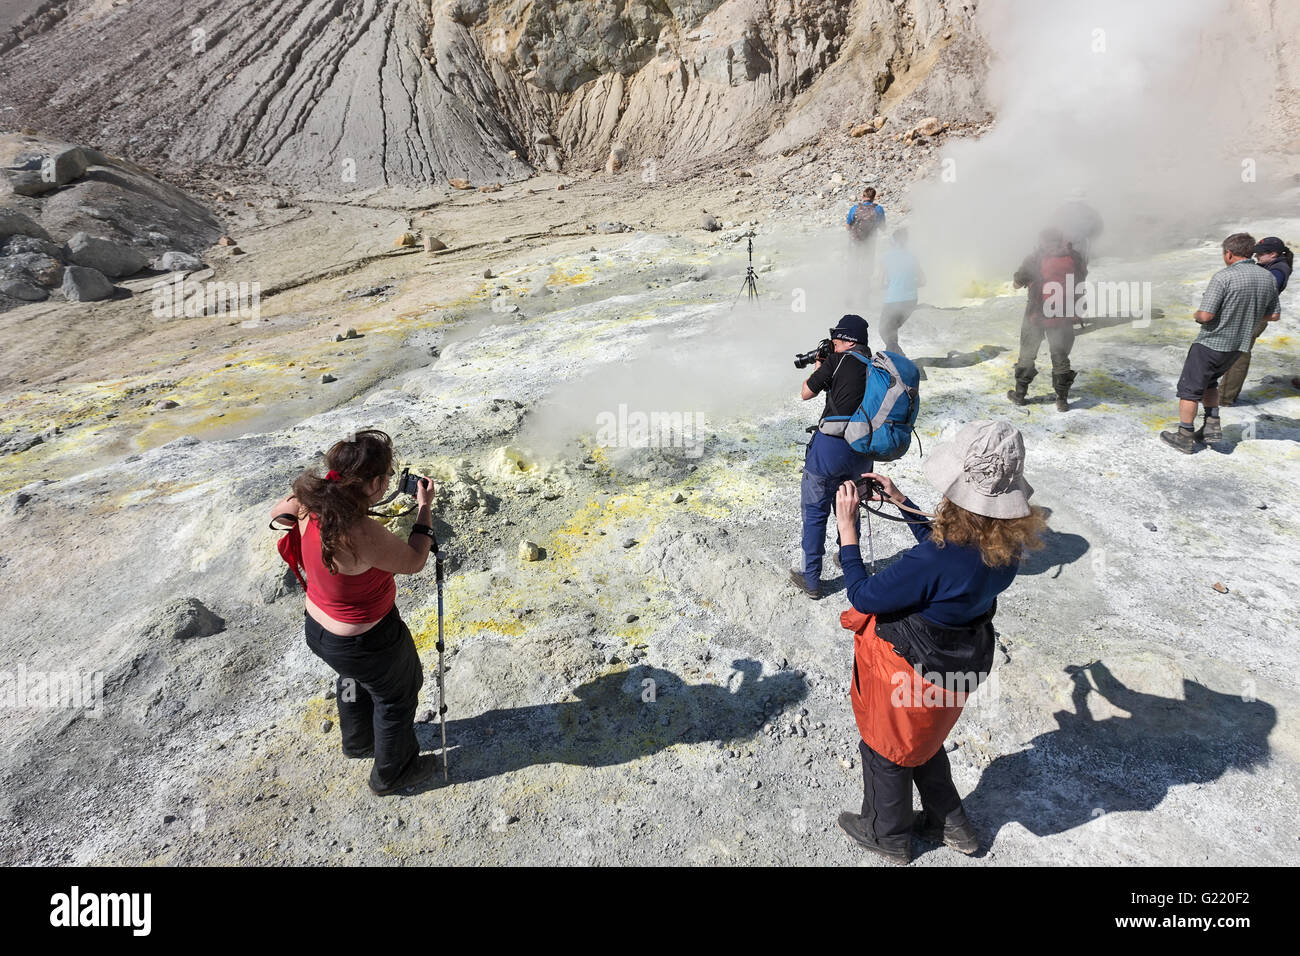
(748, 288)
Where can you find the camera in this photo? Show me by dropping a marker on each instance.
(820, 354)
(407, 483)
(868, 488)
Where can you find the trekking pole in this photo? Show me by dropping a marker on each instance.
(442, 688)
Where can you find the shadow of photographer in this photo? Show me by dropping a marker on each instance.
(617, 718)
(1087, 768)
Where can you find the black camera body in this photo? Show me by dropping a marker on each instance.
(820, 354)
(407, 483)
(868, 488)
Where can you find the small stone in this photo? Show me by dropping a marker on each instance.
(426, 716)
(225, 241)
(678, 498)
(326, 726)
(405, 239)
(1219, 586)
(631, 619)
(460, 184)
(755, 784)
(528, 551)
(710, 223)
(846, 763)
(950, 745)
(629, 542)
(1148, 525)
(326, 378)
(165, 404)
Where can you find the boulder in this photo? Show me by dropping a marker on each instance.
(176, 261)
(69, 164)
(81, 284)
(710, 223)
(14, 223)
(34, 267)
(928, 126)
(612, 227)
(29, 183)
(22, 290)
(104, 256)
(460, 184)
(528, 551)
(181, 620)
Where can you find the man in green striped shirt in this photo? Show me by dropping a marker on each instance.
(1238, 296)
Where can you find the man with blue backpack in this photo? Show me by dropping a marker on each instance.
(871, 405)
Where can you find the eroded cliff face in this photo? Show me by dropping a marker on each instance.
(352, 94)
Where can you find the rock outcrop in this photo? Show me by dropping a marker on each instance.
(344, 97)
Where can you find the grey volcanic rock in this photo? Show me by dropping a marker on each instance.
(15, 223)
(35, 267)
(85, 285)
(22, 290)
(107, 257)
(179, 262)
(181, 620)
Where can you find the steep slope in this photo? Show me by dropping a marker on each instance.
(352, 94)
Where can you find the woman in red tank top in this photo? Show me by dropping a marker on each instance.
(352, 622)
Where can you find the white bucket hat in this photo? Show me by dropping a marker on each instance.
(982, 470)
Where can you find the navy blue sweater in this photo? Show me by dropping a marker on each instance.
(949, 586)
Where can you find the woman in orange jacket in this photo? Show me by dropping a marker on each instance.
(923, 637)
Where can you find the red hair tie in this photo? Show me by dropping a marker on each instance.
(332, 475)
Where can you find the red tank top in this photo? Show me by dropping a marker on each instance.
(351, 598)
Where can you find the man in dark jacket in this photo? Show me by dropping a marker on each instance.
(1054, 274)
(830, 460)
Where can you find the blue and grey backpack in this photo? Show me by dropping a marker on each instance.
(882, 426)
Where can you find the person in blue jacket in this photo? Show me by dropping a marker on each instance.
(934, 607)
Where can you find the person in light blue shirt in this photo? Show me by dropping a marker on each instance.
(902, 276)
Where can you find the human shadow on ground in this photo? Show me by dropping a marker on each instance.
(1059, 549)
(1264, 426)
(617, 718)
(1087, 768)
(955, 359)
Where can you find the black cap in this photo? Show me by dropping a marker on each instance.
(851, 328)
(1270, 244)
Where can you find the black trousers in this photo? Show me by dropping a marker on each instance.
(887, 795)
(378, 687)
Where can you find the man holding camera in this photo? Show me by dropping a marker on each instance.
(830, 461)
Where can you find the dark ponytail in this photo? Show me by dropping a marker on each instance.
(1289, 256)
(340, 502)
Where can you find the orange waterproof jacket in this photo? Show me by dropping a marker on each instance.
(901, 716)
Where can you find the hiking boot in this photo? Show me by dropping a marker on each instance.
(851, 823)
(1062, 403)
(418, 771)
(956, 832)
(797, 579)
(1211, 432)
(1181, 439)
(1017, 395)
(358, 754)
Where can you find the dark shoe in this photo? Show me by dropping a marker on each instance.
(851, 823)
(358, 754)
(1211, 432)
(797, 579)
(958, 833)
(1181, 439)
(420, 770)
(1062, 403)
(1017, 396)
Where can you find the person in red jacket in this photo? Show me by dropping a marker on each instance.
(1054, 274)
(923, 633)
(352, 621)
